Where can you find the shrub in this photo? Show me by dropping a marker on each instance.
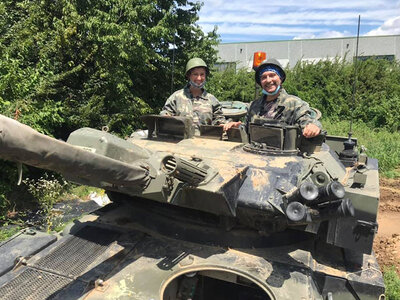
(328, 86)
(46, 190)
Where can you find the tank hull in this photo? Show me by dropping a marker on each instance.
(111, 254)
(209, 217)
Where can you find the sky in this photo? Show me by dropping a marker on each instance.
(250, 20)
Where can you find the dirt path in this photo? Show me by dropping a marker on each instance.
(387, 241)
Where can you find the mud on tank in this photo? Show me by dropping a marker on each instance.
(264, 215)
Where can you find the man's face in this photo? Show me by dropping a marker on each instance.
(270, 81)
(198, 75)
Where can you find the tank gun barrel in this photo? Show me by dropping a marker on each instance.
(20, 143)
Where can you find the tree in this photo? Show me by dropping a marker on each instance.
(67, 64)
(232, 85)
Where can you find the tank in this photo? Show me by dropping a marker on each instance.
(257, 214)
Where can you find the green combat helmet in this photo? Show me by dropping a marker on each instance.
(195, 63)
(269, 61)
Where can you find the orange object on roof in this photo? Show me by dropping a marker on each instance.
(258, 58)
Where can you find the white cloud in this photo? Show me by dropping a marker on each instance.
(322, 35)
(290, 18)
(227, 28)
(255, 19)
(391, 26)
(274, 5)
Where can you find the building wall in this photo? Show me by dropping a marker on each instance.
(311, 50)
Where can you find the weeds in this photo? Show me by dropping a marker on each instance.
(82, 191)
(46, 190)
(392, 283)
(7, 232)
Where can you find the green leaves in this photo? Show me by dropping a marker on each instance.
(65, 64)
(78, 54)
(328, 86)
(232, 86)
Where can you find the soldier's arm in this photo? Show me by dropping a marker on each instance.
(170, 107)
(309, 125)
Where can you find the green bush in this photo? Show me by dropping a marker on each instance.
(328, 86)
(232, 86)
(46, 190)
(7, 232)
(325, 85)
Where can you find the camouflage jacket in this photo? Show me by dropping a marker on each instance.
(205, 109)
(288, 108)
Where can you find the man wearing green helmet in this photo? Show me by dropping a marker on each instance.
(193, 100)
(277, 104)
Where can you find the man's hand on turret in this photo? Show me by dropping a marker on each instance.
(229, 125)
(311, 130)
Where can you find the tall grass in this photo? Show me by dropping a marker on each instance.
(392, 282)
(380, 143)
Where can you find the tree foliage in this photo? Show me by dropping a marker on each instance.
(232, 86)
(66, 64)
(328, 86)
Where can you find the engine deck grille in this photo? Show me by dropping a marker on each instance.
(61, 266)
(34, 285)
(77, 253)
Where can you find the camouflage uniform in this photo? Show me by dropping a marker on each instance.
(288, 108)
(205, 109)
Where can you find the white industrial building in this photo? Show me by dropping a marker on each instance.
(240, 55)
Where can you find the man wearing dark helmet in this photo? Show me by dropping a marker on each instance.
(276, 103)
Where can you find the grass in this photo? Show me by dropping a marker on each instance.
(60, 227)
(6, 233)
(392, 282)
(380, 144)
(51, 191)
(82, 191)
